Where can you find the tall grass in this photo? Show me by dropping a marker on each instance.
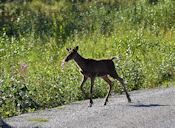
(140, 34)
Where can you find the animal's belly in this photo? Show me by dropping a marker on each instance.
(101, 74)
(94, 74)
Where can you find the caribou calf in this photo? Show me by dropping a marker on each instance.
(95, 68)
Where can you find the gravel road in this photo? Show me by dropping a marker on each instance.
(150, 108)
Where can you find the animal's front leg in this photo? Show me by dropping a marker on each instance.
(91, 91)
(81, 86)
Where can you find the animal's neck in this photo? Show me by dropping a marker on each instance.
(80, 61)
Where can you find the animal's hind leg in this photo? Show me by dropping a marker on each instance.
(105, 78)
(115, 76)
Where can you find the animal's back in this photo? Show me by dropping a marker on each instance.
(100, 67)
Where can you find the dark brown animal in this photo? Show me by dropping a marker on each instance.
(95, 68)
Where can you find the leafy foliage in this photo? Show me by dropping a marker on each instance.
(34, 35)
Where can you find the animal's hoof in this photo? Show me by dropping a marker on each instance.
(90, 105)
(91, 101)
(106, 101)
(129, 100)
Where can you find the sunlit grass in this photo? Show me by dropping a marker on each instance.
(38, 119)
(143, 62)
(60, 107)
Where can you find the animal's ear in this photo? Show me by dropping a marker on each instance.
(68, 49)
(76, 48)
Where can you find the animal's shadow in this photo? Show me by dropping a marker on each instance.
(148, 105)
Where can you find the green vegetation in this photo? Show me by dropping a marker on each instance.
(38, 119)
(35, 34)
(60, 107)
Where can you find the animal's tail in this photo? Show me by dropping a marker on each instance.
(114, 58)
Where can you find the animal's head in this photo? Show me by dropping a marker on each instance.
(71, 53)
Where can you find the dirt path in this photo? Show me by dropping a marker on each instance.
(151, 108)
